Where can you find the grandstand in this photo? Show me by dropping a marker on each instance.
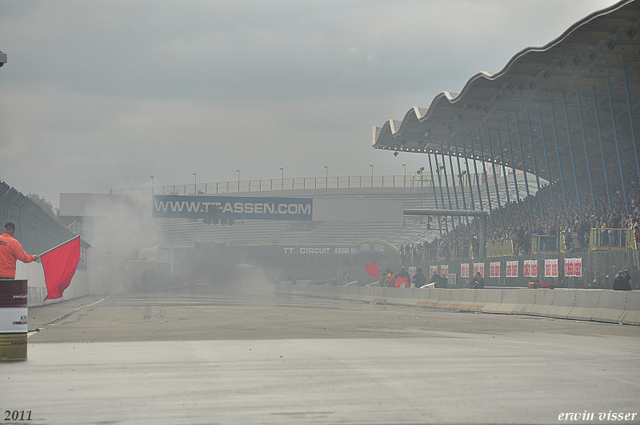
(568, 112)
(409, 192)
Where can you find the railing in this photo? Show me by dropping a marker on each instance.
(611, 239)
(461, 252)
(500, 249)
(430, 254)
(412, 180)
(544, 244)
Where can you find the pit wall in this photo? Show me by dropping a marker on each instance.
(575, 304)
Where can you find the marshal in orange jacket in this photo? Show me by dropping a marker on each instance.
(10, 251)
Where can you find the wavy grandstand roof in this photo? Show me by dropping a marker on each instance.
(594, 64)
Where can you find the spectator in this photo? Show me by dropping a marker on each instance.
(403, 277)
(419, 279)
(621, 283)
(477, 282)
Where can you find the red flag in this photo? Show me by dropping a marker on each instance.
(372, 269)
(59, 266)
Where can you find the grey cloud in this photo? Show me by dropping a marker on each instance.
(118, 90)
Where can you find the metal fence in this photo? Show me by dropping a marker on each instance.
(412, 180)
(35, 229)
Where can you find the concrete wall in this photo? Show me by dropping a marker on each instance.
(575, 304)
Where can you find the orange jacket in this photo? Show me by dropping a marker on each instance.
(10, 251)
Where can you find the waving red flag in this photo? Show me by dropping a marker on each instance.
(372, 269)
(59, 266)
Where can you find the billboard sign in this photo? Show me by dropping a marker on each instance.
(232, 207)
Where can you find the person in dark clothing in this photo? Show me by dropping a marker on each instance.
(435, 279)
(419, 279)
(477, 282)
(627, 277)
(621, 283)
(444, 282)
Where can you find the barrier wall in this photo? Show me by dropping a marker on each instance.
(575, 304)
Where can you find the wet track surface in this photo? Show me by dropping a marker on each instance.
(270, 359)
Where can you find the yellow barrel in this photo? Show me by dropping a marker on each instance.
(14, 302)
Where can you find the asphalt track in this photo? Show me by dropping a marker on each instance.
(271, 359)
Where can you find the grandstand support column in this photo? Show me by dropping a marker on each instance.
(453, 180)
(615, 138)
(524, 168)
(504, 177)
(482, 215)
(513, 168)
(573, 162)
(461, 181)
(586, 152)
(555, 136)
(604, 162)
(435, 195)
(466, 164)
(446, 183)
(435, 156)
(546, 158)
(446, 179)
(484, 171)
(632, 127)
(495, 175)
(482, 237)
(535, 164)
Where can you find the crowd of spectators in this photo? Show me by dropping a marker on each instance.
(554, 211)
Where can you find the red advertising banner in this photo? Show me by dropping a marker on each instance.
(464, 270)
(573, 267)
(494, 269)
(577, 267)
(478, 268)
(568, 267)
(551, 268)
(530, 268)
(512, 269)
(444, 271)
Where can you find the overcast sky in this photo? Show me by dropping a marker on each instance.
(98, 95)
